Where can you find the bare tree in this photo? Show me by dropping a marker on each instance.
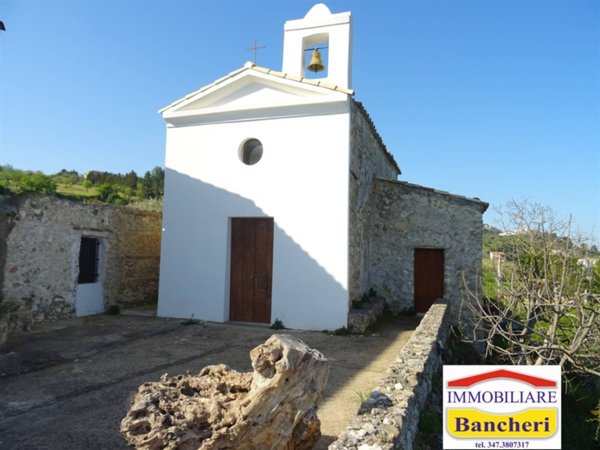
(547, 310)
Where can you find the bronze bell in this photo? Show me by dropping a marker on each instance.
(316, 65)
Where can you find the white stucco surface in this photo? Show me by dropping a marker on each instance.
(301, 181)
(89, 299)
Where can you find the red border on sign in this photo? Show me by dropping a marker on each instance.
(502, 373)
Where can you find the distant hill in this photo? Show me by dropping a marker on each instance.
(496, 240)
(92, 187)
(491, 229)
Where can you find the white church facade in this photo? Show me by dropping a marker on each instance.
(282, 201)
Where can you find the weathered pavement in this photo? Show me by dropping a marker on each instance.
(67, 385)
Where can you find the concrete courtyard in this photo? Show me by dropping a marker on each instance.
(68, 384)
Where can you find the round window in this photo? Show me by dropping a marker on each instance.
(251, 151)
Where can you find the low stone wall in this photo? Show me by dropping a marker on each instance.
(42, 237)
(389, 418)
(370, 311)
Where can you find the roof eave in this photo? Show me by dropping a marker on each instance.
(262, 70)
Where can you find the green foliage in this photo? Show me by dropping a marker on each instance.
(66, 177)
(493, 242)
(343, 331)
(130, 180)
(10, 178)
(490, 286)
(107, 193)
(362, 397)
(95, 186)
(153, 183)
(190, 321)
(38, 182)
(278, 325)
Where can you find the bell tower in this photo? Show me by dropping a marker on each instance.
(331, 34)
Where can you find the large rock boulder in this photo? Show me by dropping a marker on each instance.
(272, 408)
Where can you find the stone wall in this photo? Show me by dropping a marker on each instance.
(390, 416)
(404, 217)
(369, 159)
(132, 275)
(42, 253)
(5, 213)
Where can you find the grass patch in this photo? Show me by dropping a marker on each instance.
(362, 397)
(488, 280)
(190, 321)
(76, 191)
(343, 331)
(277, 325)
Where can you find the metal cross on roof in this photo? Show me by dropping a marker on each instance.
(255, 48)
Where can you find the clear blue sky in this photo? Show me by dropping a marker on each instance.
(488, 99)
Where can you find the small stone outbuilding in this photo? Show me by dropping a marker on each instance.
(426, 244)
(60, 258)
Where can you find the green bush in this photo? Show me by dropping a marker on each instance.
(38, 182)
(277, 325)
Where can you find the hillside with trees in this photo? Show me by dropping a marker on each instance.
(93, 187)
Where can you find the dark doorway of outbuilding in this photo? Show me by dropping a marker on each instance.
(429, 277)
(251, 269)
(89, 296)
(88, 260)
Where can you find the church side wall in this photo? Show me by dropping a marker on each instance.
(42, 254)
(368, 161)
(301, 181)
(406, 217)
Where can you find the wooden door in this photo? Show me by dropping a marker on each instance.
(251, 269)
(429, 277)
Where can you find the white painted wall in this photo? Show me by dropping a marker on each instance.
(89, 299)
(301, 181)
(309, 31)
